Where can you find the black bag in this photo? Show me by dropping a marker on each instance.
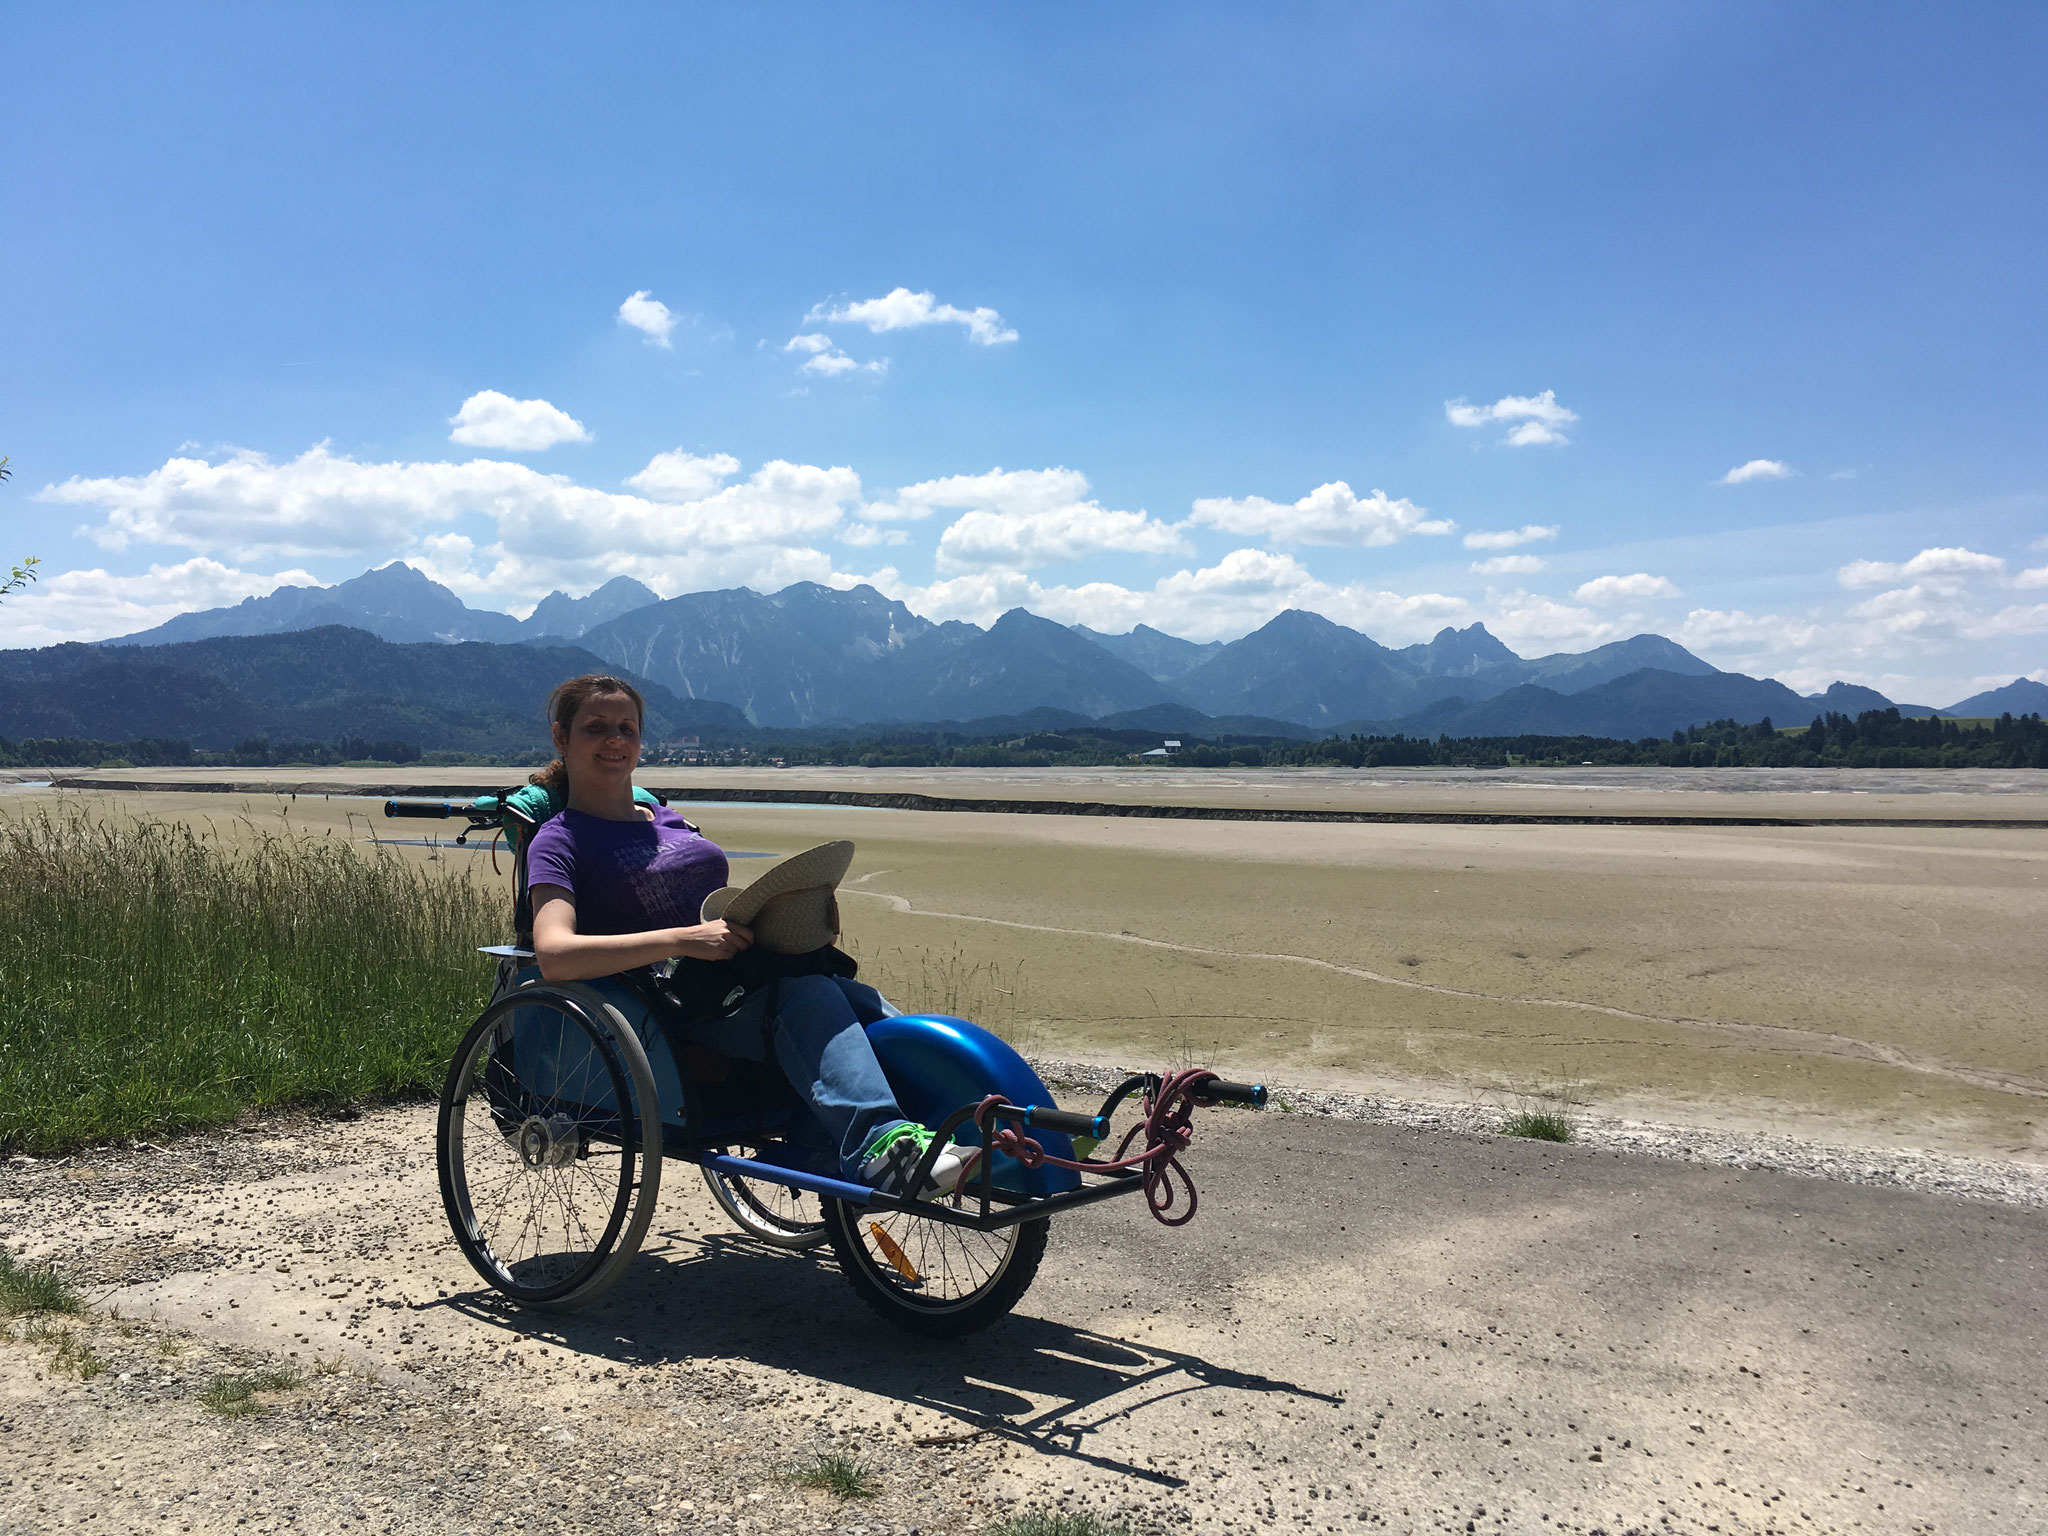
(717, 989)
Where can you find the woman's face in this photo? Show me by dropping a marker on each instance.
(602, 744)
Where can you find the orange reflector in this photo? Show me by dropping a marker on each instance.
(892, 1253)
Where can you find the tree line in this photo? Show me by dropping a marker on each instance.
(1878, 738)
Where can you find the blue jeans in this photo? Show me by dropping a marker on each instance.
(823, 1051)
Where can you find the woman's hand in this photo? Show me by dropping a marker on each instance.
(715, 940)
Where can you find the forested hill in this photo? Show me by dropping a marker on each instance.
(317, 685)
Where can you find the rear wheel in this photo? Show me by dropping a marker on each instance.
(549, 1145)
(929, 1276)
(774, 1213)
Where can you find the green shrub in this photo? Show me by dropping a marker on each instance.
(1043, 1524)
(839, 1474)
(34, 1289)
(155, 978)
(1538, 1125)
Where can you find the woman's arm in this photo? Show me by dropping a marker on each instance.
(566, 955)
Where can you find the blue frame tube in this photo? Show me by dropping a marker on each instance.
(816, 1183)
(1027, 1208)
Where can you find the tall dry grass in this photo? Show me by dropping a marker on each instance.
(993, 994)
(155, 978)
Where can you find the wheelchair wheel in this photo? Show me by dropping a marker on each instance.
(774, 1213)
(931, 1278)
(549, 1145)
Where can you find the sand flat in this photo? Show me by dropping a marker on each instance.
(1801, 794)
(1854, 983)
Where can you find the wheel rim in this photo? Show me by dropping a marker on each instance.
(541, 1164)
(929, 1265)
(768, 1210)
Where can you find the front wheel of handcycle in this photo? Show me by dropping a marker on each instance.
(929, 1276)
(549, 1145)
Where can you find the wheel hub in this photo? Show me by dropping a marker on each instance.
(549, 1142)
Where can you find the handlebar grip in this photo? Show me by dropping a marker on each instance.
(1066, 1122)
(1221, 1092)
(434, 810)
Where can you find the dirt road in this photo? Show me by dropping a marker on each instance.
(1366, 1328)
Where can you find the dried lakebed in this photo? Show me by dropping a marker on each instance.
(1373, 1324)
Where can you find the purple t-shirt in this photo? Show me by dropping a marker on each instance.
(627, 876)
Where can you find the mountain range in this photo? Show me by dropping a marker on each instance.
(397, 603)
(315, 685)
(817, 656)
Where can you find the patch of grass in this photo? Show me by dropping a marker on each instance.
(73, 1354)
(1047, 1524)
(1538, 1125)
(232, 1397)
(840, 1475)
(155, 977)
(32, 1289)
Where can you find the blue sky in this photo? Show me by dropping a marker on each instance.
(1175, 314)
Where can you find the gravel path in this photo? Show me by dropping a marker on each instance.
(1379, 1322)
(2009, 1183)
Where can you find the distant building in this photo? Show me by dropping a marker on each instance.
(1170, 748)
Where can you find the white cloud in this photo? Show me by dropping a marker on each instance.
(489, 419)
(1023, 519)
(901, 310)
(1002, 490)
(681, 476)
(1330, 514)
(832, 365)
(814, 343)
(1529, 623)
(1951, 562)
(1026, 540)
(1842, 474)
(2030, 619)
(1508, 565)
(323, 503)
(2037, 577)
(1512, 538)
(1725, 630)
(1758, 469)
(871, 536)
(1537, 419)
(649, 315)
(92, 605)
(1622, 589)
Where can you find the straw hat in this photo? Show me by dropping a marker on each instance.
(792, 908)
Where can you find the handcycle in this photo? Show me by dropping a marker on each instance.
(565, 1099)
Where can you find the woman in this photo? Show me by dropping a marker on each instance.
(616, 885)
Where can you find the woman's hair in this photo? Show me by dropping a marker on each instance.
(562, 706)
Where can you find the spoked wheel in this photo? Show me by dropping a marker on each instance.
(550, 1145)
(929, 1277)
(774, 1213)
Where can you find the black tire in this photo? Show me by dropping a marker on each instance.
(549, 1192)
(772, 1213)
(961, 1280)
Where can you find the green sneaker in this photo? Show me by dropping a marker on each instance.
(893, 1156)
